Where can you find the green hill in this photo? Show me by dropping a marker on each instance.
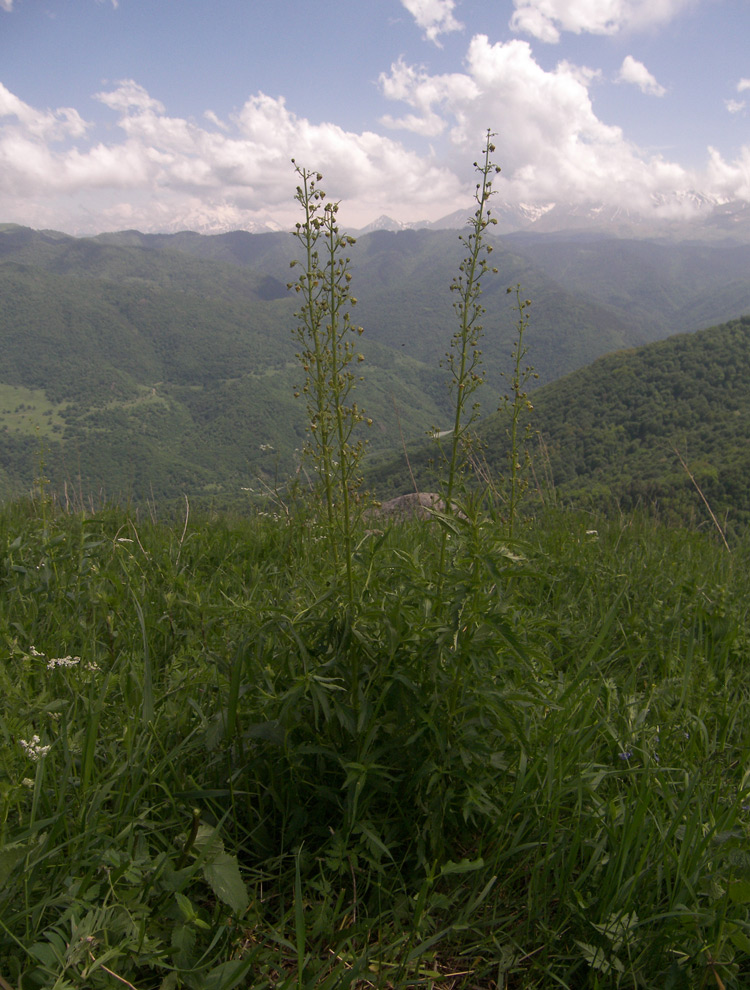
(616, 433)
(617, 430)
(144, 372)
(402, 284)
(149, 366)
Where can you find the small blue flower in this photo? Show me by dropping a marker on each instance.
(626, 755)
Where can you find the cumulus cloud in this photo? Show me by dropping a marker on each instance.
(635, 72)
(149, 169)
(129, 95)
(737, 106)
(730, 180)
(550, 142)
(435, 17)
(547, 19)
(166, 172)
(424, 93)
(49, 124)
(6, 5)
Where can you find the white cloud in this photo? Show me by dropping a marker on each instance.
(167, 172)
(633, 71)
(435, 17)
(210, 115)
(6, 5)
(49, 124)
(423, 92)
(129, 95)
(551, 145)
(737, 106)
(546, 19)
(154, 171)
(730, 180)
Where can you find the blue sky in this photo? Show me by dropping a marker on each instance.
(184, 114)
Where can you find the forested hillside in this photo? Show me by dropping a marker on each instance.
(150, 366)
(630, 430)
(619, 430)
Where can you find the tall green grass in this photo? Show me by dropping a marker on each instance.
(542, 784)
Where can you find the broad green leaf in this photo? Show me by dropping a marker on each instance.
(229, 975)
(739, 891)
(597, 959)
(740, 941)
(464, 866)
(10, 857)
(222, 873)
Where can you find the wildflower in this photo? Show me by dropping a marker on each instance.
(68, 661)
(33, 748)
(626, 754)
(27, 782)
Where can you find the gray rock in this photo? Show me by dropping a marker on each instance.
(416, 505)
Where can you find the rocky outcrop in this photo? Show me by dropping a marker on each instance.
(416, 505)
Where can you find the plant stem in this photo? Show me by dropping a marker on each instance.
(464, 358)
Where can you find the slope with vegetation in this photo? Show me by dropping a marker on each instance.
(539, 779)
(149, 366)
(298, 753)
(149, 374)
(663, 427)
(656, 427)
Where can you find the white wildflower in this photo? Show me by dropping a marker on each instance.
(33, 748)
(27, 782)
(63, 662)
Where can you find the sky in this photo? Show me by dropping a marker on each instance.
(164, 115)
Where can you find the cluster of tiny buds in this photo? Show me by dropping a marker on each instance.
(33, 748)
(67, 661)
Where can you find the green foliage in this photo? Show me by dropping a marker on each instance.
(517, 408)
(161, 364)
(614, 434)
(464, 358)
(327, 350)
(461, 759)
(539, 779)
(151, 373)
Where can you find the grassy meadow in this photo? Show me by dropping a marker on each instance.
(215, 774)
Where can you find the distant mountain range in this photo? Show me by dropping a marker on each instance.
(687, 217)
(152, 365)
(692, 217)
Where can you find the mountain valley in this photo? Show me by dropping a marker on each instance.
(155, 366)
